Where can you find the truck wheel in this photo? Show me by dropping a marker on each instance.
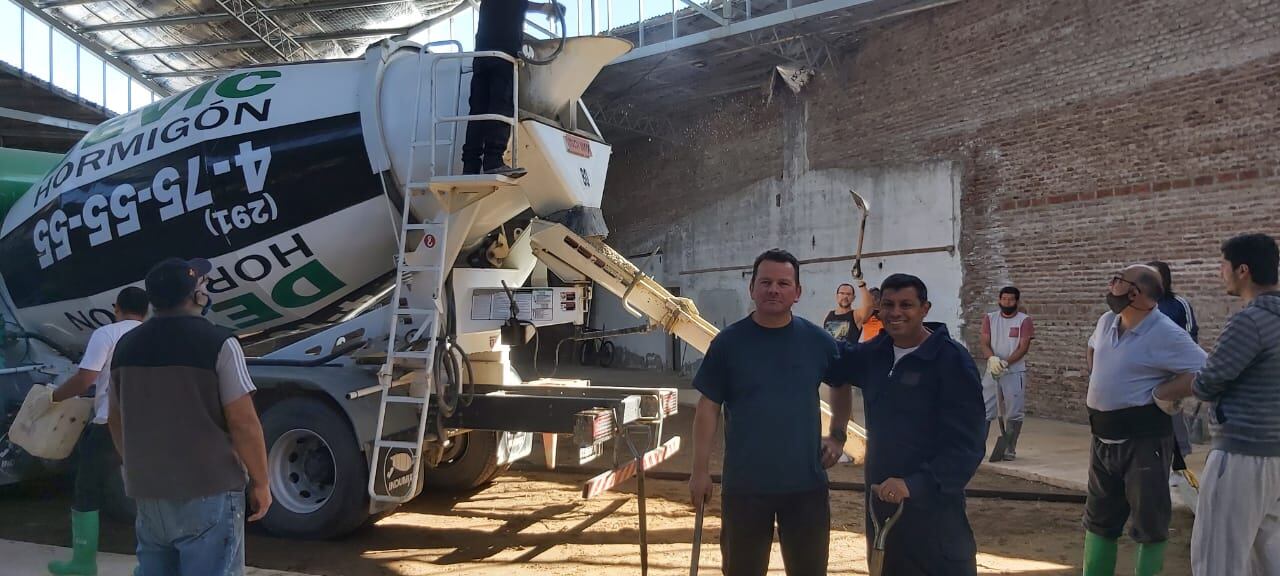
(316, 469)
(470, 462)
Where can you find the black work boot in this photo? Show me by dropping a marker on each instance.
(1015, 428)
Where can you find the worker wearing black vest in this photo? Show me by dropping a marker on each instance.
(183, 420)
(501, 28)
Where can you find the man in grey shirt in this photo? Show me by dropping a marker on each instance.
(183, 420)
(1132, 350)
(1236, 529)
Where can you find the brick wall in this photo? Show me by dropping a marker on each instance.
(1092, 134)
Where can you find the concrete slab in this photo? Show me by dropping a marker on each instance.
(1057, 453)
(25, 559)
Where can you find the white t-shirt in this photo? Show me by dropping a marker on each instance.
(898, 353)
(97, 357)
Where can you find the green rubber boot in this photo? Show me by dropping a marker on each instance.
(1150, 559)
(1099, 555)
(84, 547)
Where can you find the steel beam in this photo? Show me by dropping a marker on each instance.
(218, 17)
(735, 28)
(266, 29)
(93, 46)
(241, 44)
(189, 73)
(46, 120)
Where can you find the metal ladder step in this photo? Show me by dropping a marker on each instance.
(397, 444)
(405, 400)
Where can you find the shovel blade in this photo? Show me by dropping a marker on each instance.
(1001, 449)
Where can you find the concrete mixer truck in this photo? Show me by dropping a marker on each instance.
(378, 291)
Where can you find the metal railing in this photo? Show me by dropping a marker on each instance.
(437, 120)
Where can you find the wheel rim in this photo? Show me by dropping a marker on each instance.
(454, 451)
(302, 472)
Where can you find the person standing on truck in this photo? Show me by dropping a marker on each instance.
(764, 370)
(924, 415)
(501, 28)
(844, 320)
(1235, 530)
(1130, 352)
(97, 459)
(1006, 339)
(183, 419)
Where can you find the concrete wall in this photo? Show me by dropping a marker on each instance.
(1086, 135)
(708, 251)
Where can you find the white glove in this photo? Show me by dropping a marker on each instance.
(996, 366)
(1169, 407)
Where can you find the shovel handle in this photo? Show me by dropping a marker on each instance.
(697, 538)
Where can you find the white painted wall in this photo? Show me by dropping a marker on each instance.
(811, 214)
(913, 208)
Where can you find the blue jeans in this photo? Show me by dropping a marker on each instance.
(198, 537)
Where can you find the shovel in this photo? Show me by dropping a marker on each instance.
(697, 539)
(865, 208)
(1001, 449)
(875, 562)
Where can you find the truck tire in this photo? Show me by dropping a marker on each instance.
(318, 473)
(469, 464)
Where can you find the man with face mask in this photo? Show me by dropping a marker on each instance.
(183, 420)
(1131, 352)
(1006, 339)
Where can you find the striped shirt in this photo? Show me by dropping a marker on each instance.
(1242, 379)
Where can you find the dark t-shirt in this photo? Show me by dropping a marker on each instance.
(840, 326)
(767, 380)
(501, 25)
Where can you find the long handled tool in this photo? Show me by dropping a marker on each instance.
(697, 539)
(875, 560)
(865, 207)
(1001, 449)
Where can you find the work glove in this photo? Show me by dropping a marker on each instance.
(1169, 407)
(996, 366)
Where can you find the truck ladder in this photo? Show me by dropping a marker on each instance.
(421, 271)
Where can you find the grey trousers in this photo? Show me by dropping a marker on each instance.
(1237, 529)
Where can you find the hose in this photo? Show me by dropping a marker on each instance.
(444, 374)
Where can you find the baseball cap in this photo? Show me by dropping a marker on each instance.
(174, 279)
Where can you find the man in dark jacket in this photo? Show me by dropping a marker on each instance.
(925, 418)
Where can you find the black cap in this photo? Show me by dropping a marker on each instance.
(174, 280)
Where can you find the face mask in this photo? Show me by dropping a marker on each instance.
(1009, 310)
(1118, 303)
(208, 304)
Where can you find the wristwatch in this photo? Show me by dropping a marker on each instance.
(839, 436)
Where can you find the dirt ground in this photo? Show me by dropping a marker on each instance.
(537, 523)
(531, 521)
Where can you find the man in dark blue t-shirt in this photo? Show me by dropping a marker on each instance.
(765, 371)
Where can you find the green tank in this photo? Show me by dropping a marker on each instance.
(19, 170)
